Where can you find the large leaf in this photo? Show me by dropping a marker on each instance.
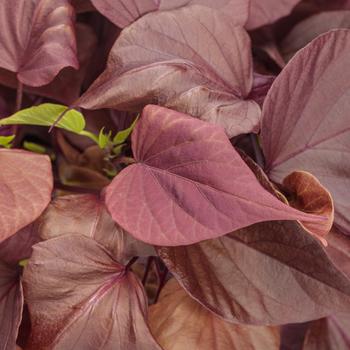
(264, 12)
(25, 189)
(308, 29)
(188, 184)
(37, 39)
(124, 12)
(178, 322)
(268, 273)
(80, 297)
(86, 214)
(306, 122)
(186, 65)
(331, 333)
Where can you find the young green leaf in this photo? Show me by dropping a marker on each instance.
(104, 139)
(5, 141)
(45, 115)
(121, 136)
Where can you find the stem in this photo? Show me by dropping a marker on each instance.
(75, 189)
(147, 269)
(131, 262)
(161, 284)
(19, 96)
(259, 158)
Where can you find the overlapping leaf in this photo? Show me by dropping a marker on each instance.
(308, 29)
(268, 273)
(264, 12)
(124, 12)
(25, 189)
(178, 322)
(80, 297)
(186, 65)
(86, 214)
(12, 250)
(306, 122)
(331, 333)
(37, 39)
(186, 185)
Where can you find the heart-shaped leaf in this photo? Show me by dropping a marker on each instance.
(124, 12)
(37, 39)
(25, 189)
(186, 185)
(306, 119)
(80, 297)
(178, 322)
(186, 65)
(268, 273)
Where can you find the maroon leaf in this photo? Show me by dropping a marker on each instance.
(305, 119)
(178, 322)
(37, 39)
(331, 333)
(264, 12)
(186, 65)
(86, 215)
(25, 189)
(12, 250)
(124, 12)
(308, 29)
(11, 304)
(80, 297)
(268, 273)
(186, 185)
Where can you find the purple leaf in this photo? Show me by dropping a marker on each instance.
(87, 215)
(306, 122)
(186, 185)
(268, 273)
(25, 189)
(264, 12)
(124, 12)
(79, 296)
(37, 39)
(186, 65)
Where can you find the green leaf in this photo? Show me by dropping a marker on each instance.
(124, 134)
(5, 141)
(117, 150)
(45, 115)
(104, 139)
(34, 147)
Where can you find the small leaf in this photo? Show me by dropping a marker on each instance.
(124, 134)
(45, 115)
(310, 196)
(5, 141)
(178, 322)
(104, 139)
(34, 147)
